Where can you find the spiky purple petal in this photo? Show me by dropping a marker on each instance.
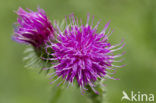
(83, 53)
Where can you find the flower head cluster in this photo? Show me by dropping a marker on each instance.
(82, 53)
(33, 27)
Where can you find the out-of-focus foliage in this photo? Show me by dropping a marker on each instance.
(133, 20)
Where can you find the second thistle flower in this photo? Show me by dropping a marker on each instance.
(33, 27)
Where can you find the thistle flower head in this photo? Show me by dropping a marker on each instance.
(32, 27)
(83, 54)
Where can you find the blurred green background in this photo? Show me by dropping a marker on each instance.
(133, 20)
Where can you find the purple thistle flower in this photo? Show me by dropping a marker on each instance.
(83, 53)
(33, 27)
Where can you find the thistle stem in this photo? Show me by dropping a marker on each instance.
(97, 98)
(56, 93)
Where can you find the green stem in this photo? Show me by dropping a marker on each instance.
(56, 91)
(97, 98)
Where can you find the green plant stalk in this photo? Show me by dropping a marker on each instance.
(56, 93)
(97, 98)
